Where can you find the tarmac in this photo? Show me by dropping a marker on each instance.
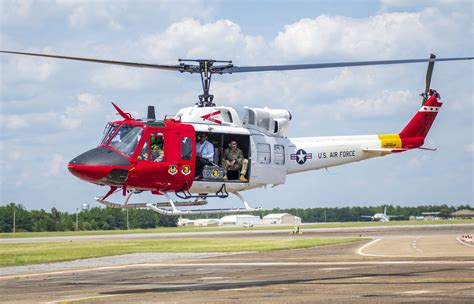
(397, 264)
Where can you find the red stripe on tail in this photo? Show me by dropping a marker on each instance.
(414, 134)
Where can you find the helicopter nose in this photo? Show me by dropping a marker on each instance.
(99, 166)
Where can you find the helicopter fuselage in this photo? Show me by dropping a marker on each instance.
(124, 159)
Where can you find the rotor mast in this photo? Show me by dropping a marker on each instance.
(206, 68)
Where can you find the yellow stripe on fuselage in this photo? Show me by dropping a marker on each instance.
(391, 141)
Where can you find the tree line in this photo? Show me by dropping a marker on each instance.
(96, 218)
(99, 218)
(354, 214)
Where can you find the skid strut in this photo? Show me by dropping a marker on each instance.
(176, 211)
(126, 205)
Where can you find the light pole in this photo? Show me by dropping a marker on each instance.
(77, 219)
(128, 227)
(14, 219)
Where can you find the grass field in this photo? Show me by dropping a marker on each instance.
(220, 228)
(34, 253)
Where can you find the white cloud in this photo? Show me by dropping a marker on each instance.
(121, 78)
(385, 103)
(70, 118)
(28, 68)
(385, 35)
(55, 165)
(73, 116)
(470, 147)
(190, 38)
(13, 12)
(13, 121)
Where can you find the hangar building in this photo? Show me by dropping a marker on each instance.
(241, 219)
(281, 218)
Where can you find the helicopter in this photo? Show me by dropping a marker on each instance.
(124, 161)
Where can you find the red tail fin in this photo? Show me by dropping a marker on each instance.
(413, 135)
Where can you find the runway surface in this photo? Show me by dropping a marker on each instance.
(395, 265)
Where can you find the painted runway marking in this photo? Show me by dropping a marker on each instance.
(234, 265)
(359, 252)
(335, 268)
(82, 299)
(362, 278)
(413, 244)
(464, 243)
(417, 292)
(212, 278)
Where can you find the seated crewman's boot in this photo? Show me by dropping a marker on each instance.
(243, 179)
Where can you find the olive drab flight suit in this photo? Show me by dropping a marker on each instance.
(240, 164)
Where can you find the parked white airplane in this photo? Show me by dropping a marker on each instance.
(381, 217)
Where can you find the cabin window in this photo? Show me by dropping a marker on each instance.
(263, 153)
(279, 154)
(226, 116)
(251, 117)
(263, 120)
(126, 139)
(186, 148)
(153, 148)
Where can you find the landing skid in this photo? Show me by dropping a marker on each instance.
(176, 211)
(126, 205)
(161, 206)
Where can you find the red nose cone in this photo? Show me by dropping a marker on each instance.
(100, 166)
(89, 173)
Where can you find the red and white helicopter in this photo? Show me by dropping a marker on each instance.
(122, 162)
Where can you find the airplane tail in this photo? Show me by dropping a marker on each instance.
(414, 133)
(385, 210)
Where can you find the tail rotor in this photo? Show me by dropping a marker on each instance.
(429, 73)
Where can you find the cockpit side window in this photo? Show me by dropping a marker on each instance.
(108, 131)
(126, 139)
(153, 149)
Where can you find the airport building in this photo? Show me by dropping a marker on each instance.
(463, 214)
(281, 218)
(426, 216)
(240, 220)
(198, 222)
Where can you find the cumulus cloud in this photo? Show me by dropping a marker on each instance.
(383, 35)
(13, 121)
(192, 39)
(55, 165)
(470, 147)
(28, 68)
(14, 12)
(70, 118)
(120, 78)
(385, 103)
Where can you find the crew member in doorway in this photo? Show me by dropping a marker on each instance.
(204, 154)
(233, 159)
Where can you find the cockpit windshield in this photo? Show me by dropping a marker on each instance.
(126, 139)
(108, 130)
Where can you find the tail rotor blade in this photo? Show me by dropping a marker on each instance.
(429, 73)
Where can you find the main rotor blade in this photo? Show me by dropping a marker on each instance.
(123, 63)
(246, 69)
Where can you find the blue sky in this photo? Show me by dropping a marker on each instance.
(53, 110)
